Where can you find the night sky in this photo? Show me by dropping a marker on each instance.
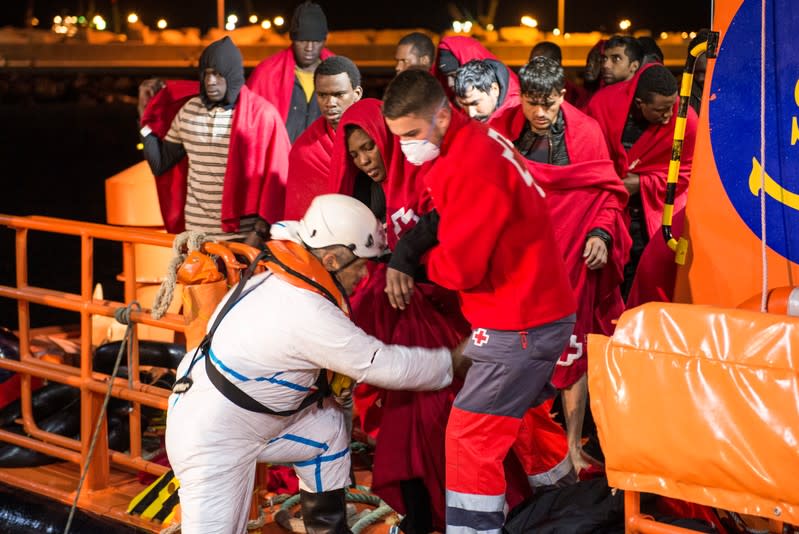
(581, 15)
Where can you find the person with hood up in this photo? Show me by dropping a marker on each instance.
(481, 89)
(256, 388)
(220, 157)
(286, 78)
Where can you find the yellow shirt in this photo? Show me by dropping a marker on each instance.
(306, 82)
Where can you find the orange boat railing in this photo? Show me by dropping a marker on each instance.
(92, 385)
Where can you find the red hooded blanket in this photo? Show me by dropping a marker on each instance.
(582, 196)
(649, 158)
(273, 79)
(257, 165)
(309, 167)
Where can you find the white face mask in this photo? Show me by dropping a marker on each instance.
(419, 151)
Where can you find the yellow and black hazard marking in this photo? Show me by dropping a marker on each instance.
(159, 501)
(707, 47)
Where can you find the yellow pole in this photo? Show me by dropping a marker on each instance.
(220, 14)
(562, 16)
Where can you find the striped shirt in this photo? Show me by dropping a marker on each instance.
(205, 135)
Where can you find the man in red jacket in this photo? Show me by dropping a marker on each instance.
(338, 86)
(566, 152)
(494, 245)
(638, 119)
(286, 78)
(220, 157)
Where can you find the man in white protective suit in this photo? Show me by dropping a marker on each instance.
(256, 391)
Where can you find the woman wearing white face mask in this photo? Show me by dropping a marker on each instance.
(495, 246)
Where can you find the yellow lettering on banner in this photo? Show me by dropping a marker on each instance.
(772, 188)
(794, 125)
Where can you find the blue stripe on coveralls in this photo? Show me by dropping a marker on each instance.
(300, 439)
(241, 377)
(318, 462)
(202, 354)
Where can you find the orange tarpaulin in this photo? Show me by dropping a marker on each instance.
(701, 404)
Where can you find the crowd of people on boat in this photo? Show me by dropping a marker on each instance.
(448, 247)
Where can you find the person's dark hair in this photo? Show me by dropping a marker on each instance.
(421, 44)
(335, 65)
(657, 79)
(475, 74)
(652, 51)
(632, 48)
(412, 92)
(541, 76)
(547, 49)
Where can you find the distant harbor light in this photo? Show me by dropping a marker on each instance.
(529, 21)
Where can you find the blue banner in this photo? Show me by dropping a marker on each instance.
(735, 120)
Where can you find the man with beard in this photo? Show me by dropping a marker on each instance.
(566, 152)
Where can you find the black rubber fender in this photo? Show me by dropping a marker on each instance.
(25, 513)
(46, 401)
(65, 422)
(154, 353)
(9, 349)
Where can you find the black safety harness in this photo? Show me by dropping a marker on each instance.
(227, 388)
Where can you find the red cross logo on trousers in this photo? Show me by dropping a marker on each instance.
(480, 337)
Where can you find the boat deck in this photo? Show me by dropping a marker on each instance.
(59, 481)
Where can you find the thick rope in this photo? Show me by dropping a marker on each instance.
(101, 417)
(371, 518)
(255, 524)
(763, 251)
(286, 519)
(191, 240)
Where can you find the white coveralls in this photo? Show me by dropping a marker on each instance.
(271, 345)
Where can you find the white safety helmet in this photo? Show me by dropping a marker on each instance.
(342, 220)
